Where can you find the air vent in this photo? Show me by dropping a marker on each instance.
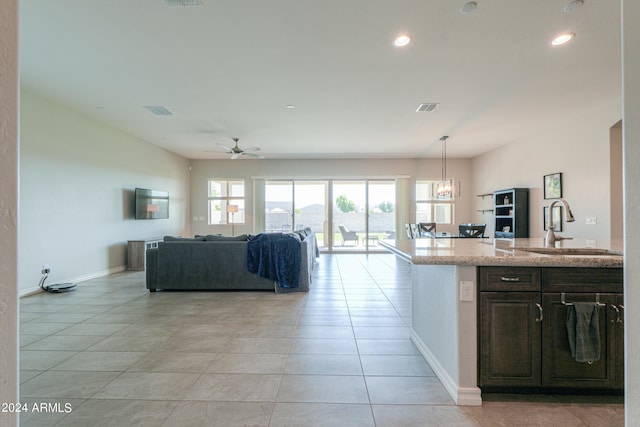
(158, 110)
(183, 3)
(425, 108)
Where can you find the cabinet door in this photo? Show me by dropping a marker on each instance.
(558, 367)
(510, 335)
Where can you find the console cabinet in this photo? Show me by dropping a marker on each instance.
(522, 333)
(137, 253)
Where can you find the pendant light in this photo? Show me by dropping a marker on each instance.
(444, 190)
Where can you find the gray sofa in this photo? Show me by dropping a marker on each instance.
(216, 263)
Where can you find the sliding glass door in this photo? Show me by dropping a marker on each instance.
(382, 211)
(310, 208)
(349, 215)
(359, 215)
(294, 205)
(278, 196)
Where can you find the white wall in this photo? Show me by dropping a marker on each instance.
(631, 144)
(9, 307)
(617, 182)
(77, 178)
(203, 170)
(579, 148)
(445, 329)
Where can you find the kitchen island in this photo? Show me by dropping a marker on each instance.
(445, 275)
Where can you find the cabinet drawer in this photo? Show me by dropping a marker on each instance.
(509, 278)
(603, 280)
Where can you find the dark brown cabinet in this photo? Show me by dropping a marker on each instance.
(560, 369)
(509, 326)
(510, 345)
(522, 335)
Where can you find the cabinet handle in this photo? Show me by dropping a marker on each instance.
(539, 319)
(618, 316)
(510, 279)
(617, 319)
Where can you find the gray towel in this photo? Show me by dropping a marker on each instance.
(583, 328)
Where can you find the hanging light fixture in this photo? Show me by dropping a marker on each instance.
(444, 189)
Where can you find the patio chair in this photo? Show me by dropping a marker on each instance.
(348, 235)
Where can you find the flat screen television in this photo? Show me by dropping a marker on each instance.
(152, 204)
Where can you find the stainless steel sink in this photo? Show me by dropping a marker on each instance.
(571, 251)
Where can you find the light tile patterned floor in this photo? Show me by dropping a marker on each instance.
(339, 355)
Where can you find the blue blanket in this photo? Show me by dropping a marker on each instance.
(276, 256)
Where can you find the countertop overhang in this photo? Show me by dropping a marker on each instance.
(506, 252)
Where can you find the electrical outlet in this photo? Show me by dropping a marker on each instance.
(592, 220)
(466, 290)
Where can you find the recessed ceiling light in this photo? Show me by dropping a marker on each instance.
(402, 40)
(468, 7)
(290, 107)
(562, 39)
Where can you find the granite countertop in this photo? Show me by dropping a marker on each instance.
(509, 252)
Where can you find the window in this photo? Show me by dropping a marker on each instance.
(222, 194)
(431, 207)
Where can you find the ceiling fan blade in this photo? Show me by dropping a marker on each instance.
(253, 155)
(252, 149)
(234, 156)
(229, 149)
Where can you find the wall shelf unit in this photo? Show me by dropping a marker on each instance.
(511, 213)
(485, 210)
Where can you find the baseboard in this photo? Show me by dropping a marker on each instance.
(77, 279)
(462, 396)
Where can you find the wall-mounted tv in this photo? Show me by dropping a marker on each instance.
(152, 204)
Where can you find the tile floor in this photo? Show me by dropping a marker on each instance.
(117, 355)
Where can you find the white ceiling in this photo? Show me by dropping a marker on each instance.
(228, 68)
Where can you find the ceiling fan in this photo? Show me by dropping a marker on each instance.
(238, 152)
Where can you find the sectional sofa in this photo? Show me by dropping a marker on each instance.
(217, 262)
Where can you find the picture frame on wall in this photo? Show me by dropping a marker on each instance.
(557, 218)
(553, 186)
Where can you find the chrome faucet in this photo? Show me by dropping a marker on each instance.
(551, 238)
